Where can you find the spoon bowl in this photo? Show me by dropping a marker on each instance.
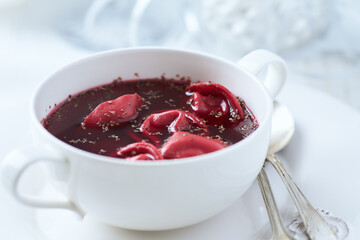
(282, 128)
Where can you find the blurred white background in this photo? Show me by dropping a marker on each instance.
(318, 38)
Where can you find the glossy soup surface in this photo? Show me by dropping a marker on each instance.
(157, 95)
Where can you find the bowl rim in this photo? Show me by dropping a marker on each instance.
(88, 155)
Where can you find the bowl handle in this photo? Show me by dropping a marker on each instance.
(259, 60)
(17, 162)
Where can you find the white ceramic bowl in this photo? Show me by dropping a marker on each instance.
(148, 195)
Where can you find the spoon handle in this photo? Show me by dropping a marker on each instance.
(277, 227)
(316, 226)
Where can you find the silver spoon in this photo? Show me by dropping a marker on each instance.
(279, 232)
(281, 134)
(283, 128)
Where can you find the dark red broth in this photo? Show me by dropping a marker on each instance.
(158, 95)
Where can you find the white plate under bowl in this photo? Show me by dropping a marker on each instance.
(323, 157)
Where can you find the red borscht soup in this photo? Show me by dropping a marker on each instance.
(152, 119)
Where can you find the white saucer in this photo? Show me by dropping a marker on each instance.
(323, 158)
